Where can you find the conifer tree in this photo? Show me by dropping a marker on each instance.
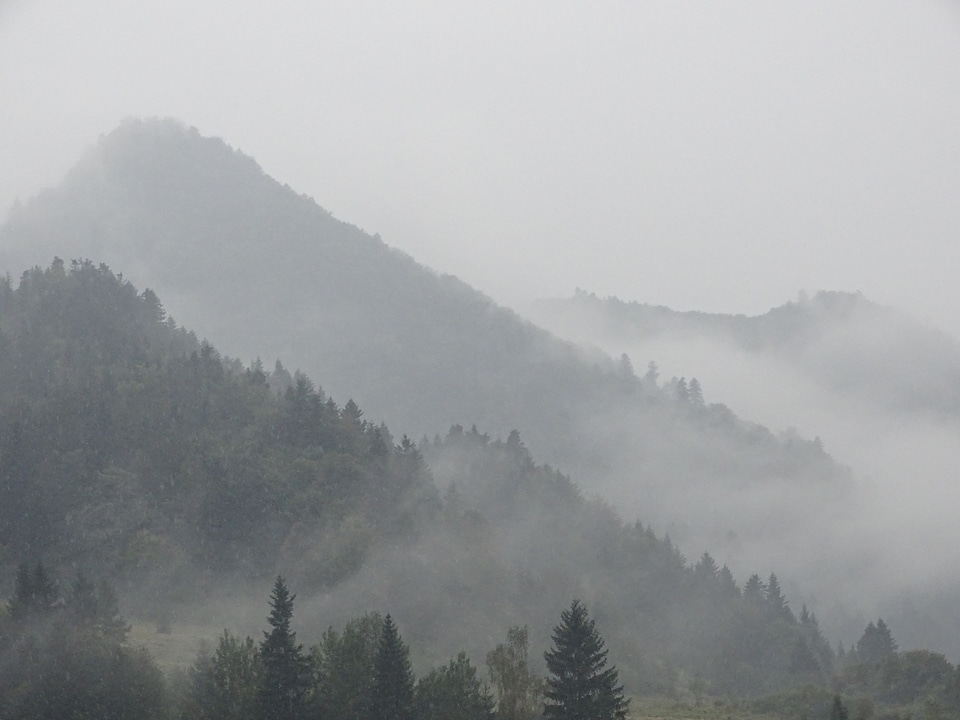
(695, 393)
(581, 687)
(391, 697)
(285, 679)
(776, 601)
(876, 643)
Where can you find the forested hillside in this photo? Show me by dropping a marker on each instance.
(269, 273)
(133, 453)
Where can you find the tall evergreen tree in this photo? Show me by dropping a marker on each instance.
(876, 643)
(285, 671)
(391, 697)
(776, 601)
(581, 687)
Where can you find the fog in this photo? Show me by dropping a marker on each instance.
(888, 547)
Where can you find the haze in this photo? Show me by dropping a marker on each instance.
(694, 155)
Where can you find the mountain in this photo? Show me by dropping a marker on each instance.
(238, 256)
(132, 452)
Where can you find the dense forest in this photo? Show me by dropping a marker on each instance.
(142, 471)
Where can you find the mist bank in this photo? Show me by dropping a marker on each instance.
(875, 388)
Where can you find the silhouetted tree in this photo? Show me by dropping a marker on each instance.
(776, 601)
(285, 677)
(391, 697)
(876, 643)
(580, 686)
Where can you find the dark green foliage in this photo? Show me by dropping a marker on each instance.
(904, 679)
(224, 686)
(453, 692)
(391, 696)
(876, 643)
(519, 690)
(67, 660)
(345, 665)
(129, 448)
(580, 685)
(167, 457)
(285, 674)
(777, 602)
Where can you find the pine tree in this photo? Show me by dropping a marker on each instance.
(391, 697)
(285, 678)
(581, 687)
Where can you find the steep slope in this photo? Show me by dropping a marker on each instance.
(238, 256)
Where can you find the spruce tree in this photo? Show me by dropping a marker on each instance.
(285, 679)
(391, 697)
(581, 687)
(876, 643)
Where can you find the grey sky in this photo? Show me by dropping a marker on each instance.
(715, 156)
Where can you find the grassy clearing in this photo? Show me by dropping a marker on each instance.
(668, 709)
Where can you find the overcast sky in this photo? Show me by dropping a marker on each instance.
(705, 155)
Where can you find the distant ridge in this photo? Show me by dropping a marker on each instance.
(843, 340)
